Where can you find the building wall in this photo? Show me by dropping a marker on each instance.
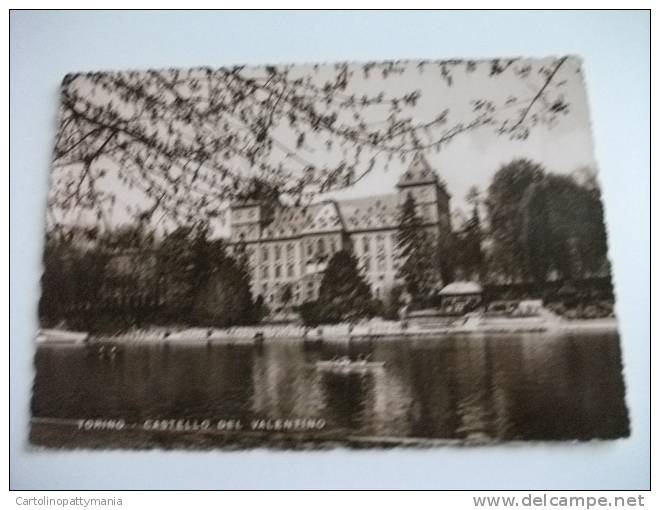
(376, 252)
(298, 261)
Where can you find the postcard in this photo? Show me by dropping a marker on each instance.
(367, 255)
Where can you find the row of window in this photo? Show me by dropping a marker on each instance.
(278, 252)
(322, 246)
(372, 250)
(375, 259)
(274, 292)
(277, 271)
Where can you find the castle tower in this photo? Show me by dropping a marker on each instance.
(245, 221)
(430, 195)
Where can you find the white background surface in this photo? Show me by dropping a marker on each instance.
(44, 46)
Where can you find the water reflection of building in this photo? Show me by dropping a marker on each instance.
(285, 384)
(473, 386)
(506, 381)
(430, 375)
(289, 247)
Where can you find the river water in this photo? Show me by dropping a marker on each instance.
(502, 387)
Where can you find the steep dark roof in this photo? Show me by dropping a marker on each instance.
(419, 172)
(369, 213)
(331, 216)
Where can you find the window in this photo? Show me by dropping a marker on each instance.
(365, 244)
(290, 271)
(380, 252)
(278, 252)
(320, 246)
(289, 251)
(278, 271)
(264, 253)
(264, 272)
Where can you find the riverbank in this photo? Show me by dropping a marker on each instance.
(371, 330)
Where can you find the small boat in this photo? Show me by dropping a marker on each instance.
(346, 364)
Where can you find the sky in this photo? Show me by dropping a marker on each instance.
(469, 159)
(472, 158)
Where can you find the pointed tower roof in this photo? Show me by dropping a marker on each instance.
(419, 172)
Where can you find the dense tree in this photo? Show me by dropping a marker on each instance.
(57, 286)
(72, 281)
(468, 256)
(310, 313)
(563, 229)
(184, 279)
(415, 248)
(224, 297)
(202, 282)
(505, 195)
(542, 223)
(184, 261)
(344, 294)
(259, 309)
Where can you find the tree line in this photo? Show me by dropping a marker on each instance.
(530, 227)
(127, 278)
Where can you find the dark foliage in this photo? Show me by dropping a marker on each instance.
(419, 268)
(468, 258)
(344, 294)
(310, 313)
(124, 279)
(543, 223)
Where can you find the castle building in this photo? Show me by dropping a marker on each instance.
(288, 248)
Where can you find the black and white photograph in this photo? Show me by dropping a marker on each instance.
(404, 253)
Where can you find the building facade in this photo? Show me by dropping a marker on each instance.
(288, 248)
